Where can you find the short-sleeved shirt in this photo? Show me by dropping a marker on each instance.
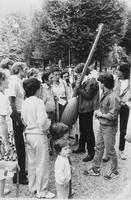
(16, 90)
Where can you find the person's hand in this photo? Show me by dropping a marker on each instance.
(128, 138)
(98, 114)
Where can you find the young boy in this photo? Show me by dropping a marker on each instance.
(62, 170)
(106, 135)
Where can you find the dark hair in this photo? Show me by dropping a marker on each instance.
(55, 69)
(64, 72)
(45, 76)
(125, 69)
(30, 86)
(17, 67)
(5, 63)
(58, 148)
(107, 79)
(79, 68)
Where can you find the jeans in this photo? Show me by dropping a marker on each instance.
(106, 137)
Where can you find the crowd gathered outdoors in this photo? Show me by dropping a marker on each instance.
(31, 105)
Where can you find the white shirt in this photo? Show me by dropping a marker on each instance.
(16, 90)
(48, 98)
(123, 85)
(34, 116)
(62, 170)
(59, 89)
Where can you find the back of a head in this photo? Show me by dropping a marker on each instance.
(79, 68)
(30, 86)
(125, 69)
(107, 79)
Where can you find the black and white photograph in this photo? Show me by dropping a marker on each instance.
(65, 99)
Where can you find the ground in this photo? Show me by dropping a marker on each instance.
(92, 188)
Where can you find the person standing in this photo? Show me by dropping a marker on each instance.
(88, 98)
(37, 125)
(60, 92)
(62, 170)
(16, 97)
(7, 163)
(106, 134)
(122, 88)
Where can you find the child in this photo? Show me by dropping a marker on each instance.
(37, 125)
(62, 170)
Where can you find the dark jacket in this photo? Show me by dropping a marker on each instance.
(88, 96)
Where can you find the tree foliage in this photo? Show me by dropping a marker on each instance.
(72, 25)
(14, 33)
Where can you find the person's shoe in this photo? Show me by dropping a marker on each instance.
(94, 171)
(105, 160)
(46, 195)
(88, 158)
(78, 151)
(7, 191)
(111, 175)
(122, 155)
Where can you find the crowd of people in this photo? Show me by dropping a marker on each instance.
(31, 105)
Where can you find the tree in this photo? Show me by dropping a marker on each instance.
(126, 40)
(72, 25)
(15, 30)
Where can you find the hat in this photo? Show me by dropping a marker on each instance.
(79, 68)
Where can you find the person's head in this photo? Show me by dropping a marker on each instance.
(47, 68)
(65, 76)
(62, 149)
(4, 80)
(106, 81)
(56, 73)
(6, 63)
(32, 73)
(32, 87)
(79, 68)
(19, 68)
(123, 71)
(47, 77)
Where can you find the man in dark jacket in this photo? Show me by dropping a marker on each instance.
(88, 97)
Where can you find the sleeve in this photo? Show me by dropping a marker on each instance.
(42, 118)
(114, 109)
